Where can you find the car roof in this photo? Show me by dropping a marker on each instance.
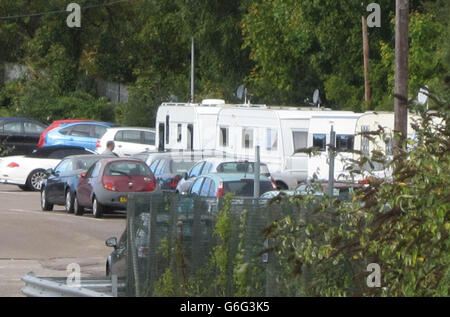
(81, 156)
(122, 159)
(230, 177)
(131, 128)
(61, 147)
(219, 160)
(100, 123)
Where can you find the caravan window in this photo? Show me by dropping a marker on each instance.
(179, 132)
(271, 139)
(167, 129)
(365, 140)
(300, 140)
(223, 137)
(344, 142)
(388, 146)
(247, 138)
(319, 141)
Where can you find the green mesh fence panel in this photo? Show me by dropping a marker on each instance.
(190, 246)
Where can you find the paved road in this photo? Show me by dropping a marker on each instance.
(46, 242)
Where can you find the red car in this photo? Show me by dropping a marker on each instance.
(56, 124)
(105, 186)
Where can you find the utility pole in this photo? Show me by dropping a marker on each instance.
(332, 156)
(401, 69)
(366, 59)
(192, 70)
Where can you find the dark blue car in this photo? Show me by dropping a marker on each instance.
(61, 183)
(84, 134)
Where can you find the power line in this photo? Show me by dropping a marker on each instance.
(63, 11)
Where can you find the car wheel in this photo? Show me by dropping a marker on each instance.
(45, 205)
(34, 181)
(69, 202)
(79, 210)
(97, 208)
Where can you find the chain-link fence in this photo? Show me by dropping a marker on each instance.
(191, 246)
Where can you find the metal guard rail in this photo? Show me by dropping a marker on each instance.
(57, 287)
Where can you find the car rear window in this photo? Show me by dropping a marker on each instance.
(181, 167)
(127, 168)
(245, 187)
(85, 163)
(241, 167)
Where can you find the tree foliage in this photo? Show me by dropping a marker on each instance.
(281, 50)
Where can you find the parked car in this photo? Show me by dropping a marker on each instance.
(20, 135)
(342, 190)
(59, 187)
(218, 165)
(169, 169)
(128, 140)
(55, 124)
(84, 134)
(105, 186)
(28, 171)
(220, 184)
(116, 262)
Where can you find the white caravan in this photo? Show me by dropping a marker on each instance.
(371, 121)
(279, 132)
(186, 126)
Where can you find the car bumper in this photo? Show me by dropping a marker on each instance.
(11, 181)
(112, 199)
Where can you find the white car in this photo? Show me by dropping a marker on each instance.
(128, 140)
(28, 171)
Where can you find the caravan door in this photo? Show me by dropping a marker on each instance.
(161, 135)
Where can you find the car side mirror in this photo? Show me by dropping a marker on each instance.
(185, 175)
(111, 242)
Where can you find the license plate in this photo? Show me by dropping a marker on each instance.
(123, 199)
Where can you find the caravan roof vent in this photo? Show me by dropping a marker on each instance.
(213, 102)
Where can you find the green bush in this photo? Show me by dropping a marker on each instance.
(401, 224)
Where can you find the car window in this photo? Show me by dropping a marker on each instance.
(127, 169)
(58, 154)
(61, 168)
(154, 165)
(149, 138)
(130, 136)
(180, 167)
(83, 130)
(204, 192)
(62, 153)
(94, 170)
(85, 163)
(245, 187)
(160, 169)
(32, 128)
(195, 190)
(212, 189)
(12, 127)
(195, 170)
(207, 167)
(98, 131)
(65, 131)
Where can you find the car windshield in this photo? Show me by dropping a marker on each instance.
(127, 168)
(85, 163)
(245, 187)
(241, 167)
